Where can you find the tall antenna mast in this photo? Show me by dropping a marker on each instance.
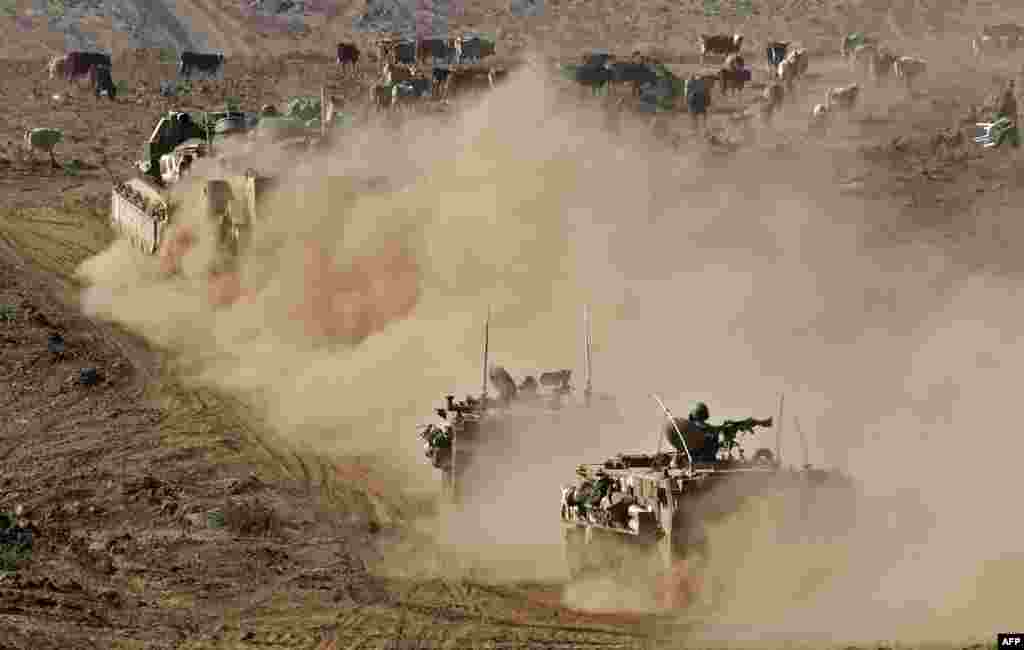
(778, 432)
(803, 439)
(682, 438)
(487, 342)
(587, 342)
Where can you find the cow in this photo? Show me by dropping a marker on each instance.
(433, 50)
(102, 82)
(348, 55)
(393, 73)
(77, 65)
(719, 45)
(401, 51)
(776, 52)
(637, 74)
(44, 140)
(793, 67)
(698, 98)
(409, 92)
(909, 68)
(844, 98)
(733, 74)
(439, 79)
(470, 49)
(852, 41)
(208, 65)
(872, 61)
(884, 63)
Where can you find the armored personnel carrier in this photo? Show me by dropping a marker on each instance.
(638, 515)
(478, 430)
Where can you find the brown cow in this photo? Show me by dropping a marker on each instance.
(719, 45)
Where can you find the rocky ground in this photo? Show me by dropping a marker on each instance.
(165, 517)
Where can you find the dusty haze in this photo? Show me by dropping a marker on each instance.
(353, 315)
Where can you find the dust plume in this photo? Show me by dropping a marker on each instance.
(353, 313)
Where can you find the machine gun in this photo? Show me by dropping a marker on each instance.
(731, 428)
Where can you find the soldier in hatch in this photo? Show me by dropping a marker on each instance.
(705, 439)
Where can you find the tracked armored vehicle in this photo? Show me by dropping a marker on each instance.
(637, 516)
(474, 434)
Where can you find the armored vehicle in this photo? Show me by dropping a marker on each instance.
(143, 210)
(638, 515)
(478, 430)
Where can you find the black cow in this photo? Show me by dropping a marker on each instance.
(776, 52)
(348, 55)
(429, 50)
(439, 81)
(637, 74)
(208, 64)
(81, 64)
(102, 82)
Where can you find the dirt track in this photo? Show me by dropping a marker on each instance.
(119, 478)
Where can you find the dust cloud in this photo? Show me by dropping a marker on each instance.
(353, 313)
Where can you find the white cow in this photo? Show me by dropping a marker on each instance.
(909, 68)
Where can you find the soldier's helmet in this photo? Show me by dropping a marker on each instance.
(700, 412)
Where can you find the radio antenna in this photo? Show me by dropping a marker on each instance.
(487, 342)
(672, 421)
(587, 355)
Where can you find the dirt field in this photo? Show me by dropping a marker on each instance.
(170, 516)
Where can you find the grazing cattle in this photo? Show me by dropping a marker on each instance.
(909, 68)
(102, 82)
(698, 98)
(637, 74)
(469, 49)
(76, 65)
(884, 63)
(44, 140)
(439, 80)
(348, 55)
(719, 45)
(776, 52)
(433, 50)
(401, 51)
(408, 93)
(844, 98)
(394, 73)
(793, 67)
(854, 40)
(733, 75)
(206, 65)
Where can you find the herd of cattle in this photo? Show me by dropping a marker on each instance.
(413, 70)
